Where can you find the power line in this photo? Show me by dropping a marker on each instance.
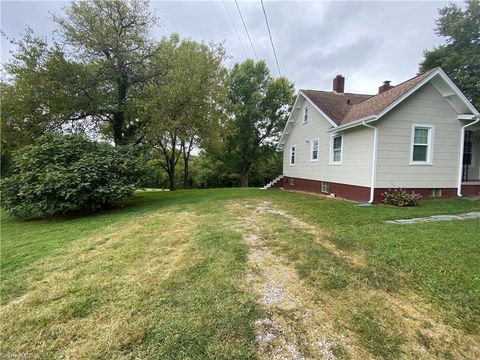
(246, 30)
(271, 39)
(235, 29)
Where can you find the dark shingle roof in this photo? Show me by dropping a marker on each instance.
(346, 108)
(335, 105)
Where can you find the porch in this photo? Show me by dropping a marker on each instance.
(471, 156)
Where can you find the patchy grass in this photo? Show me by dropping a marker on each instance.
(166, 275)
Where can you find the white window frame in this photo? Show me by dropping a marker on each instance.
(325, 184)
(431, 129)
(311, 148)
(294, 148)
(435, 192)
(305, 114)
(332, 137)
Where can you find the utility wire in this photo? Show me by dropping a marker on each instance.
(235, 29)
(271, 39)
(246, 30)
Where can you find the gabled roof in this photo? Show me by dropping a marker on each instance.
(335, 105)
(346, 110)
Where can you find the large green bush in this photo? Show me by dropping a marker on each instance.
(63, 173)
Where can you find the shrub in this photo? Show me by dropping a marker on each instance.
(63, 173)
(400, 197)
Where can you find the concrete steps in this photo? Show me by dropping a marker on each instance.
(273, 182)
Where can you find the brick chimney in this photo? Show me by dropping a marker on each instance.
(339, 84)
(386, 86)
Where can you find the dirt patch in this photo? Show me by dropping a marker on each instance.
(304, 323)
(320, 235)
(294, 326)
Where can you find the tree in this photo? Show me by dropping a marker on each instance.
(39, 94)
(460, 56)
(183, 106)
(112, 38)
(260, 107)
(63, 173)
(92, 80)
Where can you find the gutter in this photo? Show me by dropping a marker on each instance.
(460, 164)
(374, 161)
(353, 124)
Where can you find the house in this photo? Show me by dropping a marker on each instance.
(421, 135)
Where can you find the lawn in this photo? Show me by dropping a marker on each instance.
(242, 273)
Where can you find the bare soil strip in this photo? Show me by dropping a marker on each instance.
(294, 327)
(301, 323)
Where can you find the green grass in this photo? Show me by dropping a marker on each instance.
(161, 276)
(441, 258)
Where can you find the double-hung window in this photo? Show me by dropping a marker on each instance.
(314, 150)
(305, 114)
(336, 149)
(292, 155)
(421, 150)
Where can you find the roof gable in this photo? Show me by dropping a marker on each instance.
(345, 110)
(336, 106)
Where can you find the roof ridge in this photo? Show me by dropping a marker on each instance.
(396, 86)
(335, 93)
(426, 73)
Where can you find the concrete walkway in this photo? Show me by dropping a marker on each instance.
(470, 215)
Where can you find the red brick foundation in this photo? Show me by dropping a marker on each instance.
(344, 191)
(471, 190)
(277, 185)
(362, 193)
(446, 193)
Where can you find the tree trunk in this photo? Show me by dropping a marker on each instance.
(119, 114)
(171, 179)
(185, 174)
(244, 176)
(117, 128)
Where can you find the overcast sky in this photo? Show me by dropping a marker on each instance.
(367, 42)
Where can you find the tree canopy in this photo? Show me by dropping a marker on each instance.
(259, 105)
(460, 56)
(105, 76)
(113, 39)
(184, 105)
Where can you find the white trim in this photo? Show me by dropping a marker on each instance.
(407, 94)
(373, 177)
(460, 163)
(289, 121)
(305, 112)
(319, 110)
(355, 123)
(457, 91)
(294, 147)
(311, 149)
(431, 131)
(466, 117)
(327, 185)
(434, 73)
(331, 162)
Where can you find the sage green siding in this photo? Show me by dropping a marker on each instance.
(357, 151)
(425, 106)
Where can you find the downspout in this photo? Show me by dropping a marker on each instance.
(460, 164)
(374, 161)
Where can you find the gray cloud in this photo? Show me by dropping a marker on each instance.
(367, 42)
